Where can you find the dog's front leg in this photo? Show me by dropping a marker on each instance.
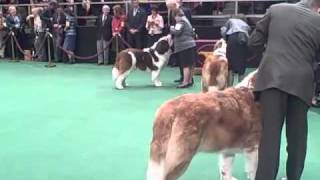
(155, 77)
(226, 163)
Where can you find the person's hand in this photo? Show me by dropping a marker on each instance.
(56, 26)
(30, 16)
(171, 28)
(133, 31)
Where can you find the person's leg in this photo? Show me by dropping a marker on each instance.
(100, 51)
(273, 106)
(105, 52)
(130, 38)
(297, 131)
(139, 40)
(58, 51)
(40, 47)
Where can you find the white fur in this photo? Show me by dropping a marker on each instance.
(251, 163)
(246, 82)
(155, 171)
(155, 75)
(251, 155)
(225, 166)
(120, 80)
(213, 88)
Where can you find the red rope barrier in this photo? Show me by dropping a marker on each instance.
(86, 57)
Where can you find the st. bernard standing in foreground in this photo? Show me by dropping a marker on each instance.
(226, 122)
(151, 59)
(215, 68)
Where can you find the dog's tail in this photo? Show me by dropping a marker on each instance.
(158, 150)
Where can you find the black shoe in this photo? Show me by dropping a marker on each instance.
(182, 86)
(178, 81)
(192, 82)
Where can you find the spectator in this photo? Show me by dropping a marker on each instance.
(174, 5)
(118, 20)
(154, 26)
(13, 22)
(118, 24)
(104, 34)
(70, 35)
(47, 15)
(3, 34)
(236, 33)
(136, 23)
(184, 46)
(59, 21)
(40, 38)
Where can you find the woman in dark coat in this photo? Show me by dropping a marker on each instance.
(236, 33)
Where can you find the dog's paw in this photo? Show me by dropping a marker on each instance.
(119, 87)
(158, 84)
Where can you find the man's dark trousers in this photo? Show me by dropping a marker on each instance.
(277, 105)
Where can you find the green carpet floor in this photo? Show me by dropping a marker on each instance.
(69, 123)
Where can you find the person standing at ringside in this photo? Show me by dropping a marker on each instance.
(154, 26)
(104, 34)
(184, 46)
(289, 36)
(137, 18)
(236, 33)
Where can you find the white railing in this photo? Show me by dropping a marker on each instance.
(127, 2)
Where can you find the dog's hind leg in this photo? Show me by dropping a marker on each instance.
(251, 160)
(120, 81)
(182, 146)
(226, 163)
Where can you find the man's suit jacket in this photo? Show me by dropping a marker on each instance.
(104, 28)
(290, 35)
(138, 21)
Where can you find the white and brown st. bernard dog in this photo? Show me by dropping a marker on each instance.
(151, 59)
(215, 68)
(225, 122)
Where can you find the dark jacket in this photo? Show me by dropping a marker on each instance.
(47, 18)
(291, 33)
(138, 21)
(14, 22)
(104, 29)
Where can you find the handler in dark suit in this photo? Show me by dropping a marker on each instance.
(290, 34)
(104, 34)
(137, 18)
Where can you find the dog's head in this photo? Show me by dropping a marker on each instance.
(249, 81)
(220, 48)
(163, 45)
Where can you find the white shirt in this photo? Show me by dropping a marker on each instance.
(155, 24)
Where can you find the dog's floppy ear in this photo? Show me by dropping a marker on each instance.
(162, 47)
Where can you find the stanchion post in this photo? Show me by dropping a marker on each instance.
(50, 64)
(13, 53)
(117, 44)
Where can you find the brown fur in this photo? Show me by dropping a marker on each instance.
(212, 68)
(207, 122)
(124, 62)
